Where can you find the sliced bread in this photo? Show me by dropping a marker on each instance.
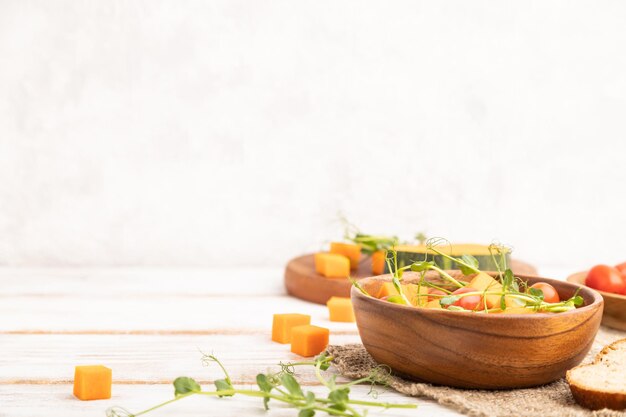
(602, 383)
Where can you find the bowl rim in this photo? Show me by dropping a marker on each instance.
(597, 302)
(602, 293)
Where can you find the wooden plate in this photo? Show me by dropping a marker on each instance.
(301, 280)
(614, 304)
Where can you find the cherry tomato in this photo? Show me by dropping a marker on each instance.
(470, 302)
(606, 278)
(435, 292)
(622, 269)
(549, 293)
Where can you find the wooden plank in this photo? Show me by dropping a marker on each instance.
(50, 358)
(140, 282)
(161, 313)
(57, 400)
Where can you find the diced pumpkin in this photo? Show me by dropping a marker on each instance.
(378, 262)
(283, 324)
(485, 282)
(433, 304)
(340, 309)
(309, 340)
(350, 250)
(386, 290)
(412, 292)
(332, 265)
(92, 382)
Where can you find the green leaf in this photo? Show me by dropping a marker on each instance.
(185, 385)
(471, 267)
(502, 303)
(307, 412)
(421, 266)
(322, 358)
(508, 279)
(449, 300)
(223, 385)
(578, 300)
(339, 398)
(310, 399)
(292, 385)
(536, 292)
(263, 383)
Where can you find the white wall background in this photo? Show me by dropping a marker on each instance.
(213, 132)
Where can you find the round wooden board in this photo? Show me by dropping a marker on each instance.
(614, 314)
(301, 280)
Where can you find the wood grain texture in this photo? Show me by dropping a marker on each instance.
(50, 358)
(614, 314)
(471, 350)
(148, 324)
(126, 313)
(57, 400)
(301, 280)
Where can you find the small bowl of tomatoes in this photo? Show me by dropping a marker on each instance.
(610, 282)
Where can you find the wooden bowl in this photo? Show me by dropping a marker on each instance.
(301, 280)
(614, 314)
(476, 350)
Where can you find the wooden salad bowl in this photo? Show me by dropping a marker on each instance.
(301, 280)
(614, 314)
(477, 350)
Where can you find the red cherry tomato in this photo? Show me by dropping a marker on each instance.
(606, 278)
(469, 302)
(549, 293)
(622, 269)
(435, 292)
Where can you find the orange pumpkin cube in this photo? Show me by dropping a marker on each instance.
(309, 340)
(378, 262)
(332, 265)
(417, 295)
(350, 250)
(433, 304)
(284, 323)
(92, 382)
(340, 309)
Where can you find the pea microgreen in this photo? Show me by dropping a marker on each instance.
(509, 288)
(285, 388)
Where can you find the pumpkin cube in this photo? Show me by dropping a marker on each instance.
(350, 250)
(284, 323)
(340, 309)
(515, 310)
(332, 265)
(485, 282)
(378, 262)
(92, 382)
(433, 304)
(417, 295)
(309, 340)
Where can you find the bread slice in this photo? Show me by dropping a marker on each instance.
(602, 383)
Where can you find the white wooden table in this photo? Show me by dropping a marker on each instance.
(149, 325)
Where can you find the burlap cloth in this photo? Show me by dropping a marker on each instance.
(555, 399)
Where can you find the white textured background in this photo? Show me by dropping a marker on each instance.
(213, 132)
